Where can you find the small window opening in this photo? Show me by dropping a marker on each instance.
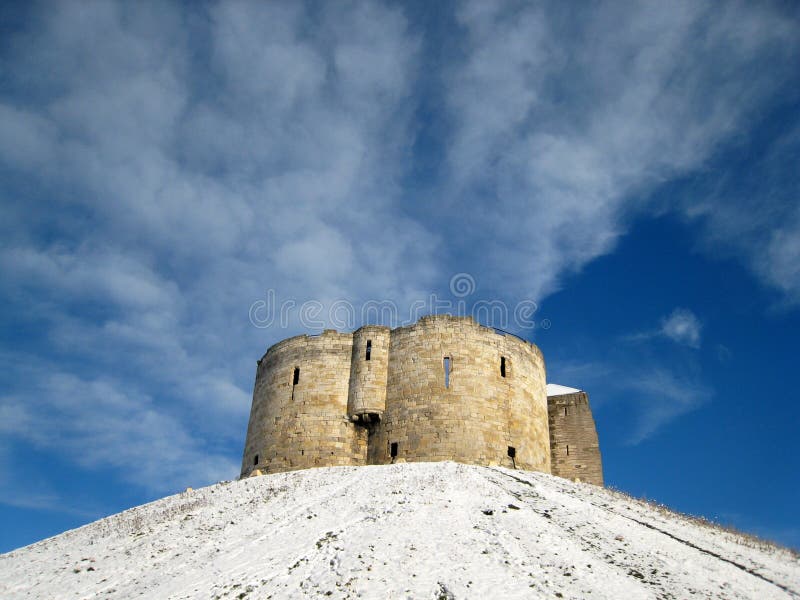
(393, 449)
(296, 376)
(502, 366)
(447, 371)
(255, 459)
(567, 449)
(565, 411)
(512, 452)
(369, 349)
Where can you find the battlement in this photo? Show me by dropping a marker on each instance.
(444, 388)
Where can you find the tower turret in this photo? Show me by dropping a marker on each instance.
(369, 366)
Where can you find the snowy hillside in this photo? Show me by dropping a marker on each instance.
(424, 530)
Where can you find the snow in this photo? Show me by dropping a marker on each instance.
(421, 530)
(553, 389)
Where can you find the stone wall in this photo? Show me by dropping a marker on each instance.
(304, 424)
(344, 408)
(368, 369)
(480, 415)
(575, 450)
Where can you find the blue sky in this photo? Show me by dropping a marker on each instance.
(630, 168)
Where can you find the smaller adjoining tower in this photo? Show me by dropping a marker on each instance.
(575, 450)
(366, 399)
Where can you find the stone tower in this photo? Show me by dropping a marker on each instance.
(444, 388)
(573, 436)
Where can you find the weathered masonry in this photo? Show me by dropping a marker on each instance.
(445, 388)
(574, 448)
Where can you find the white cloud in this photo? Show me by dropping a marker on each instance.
(559, 143)
(28, 138)
(683, 327)
(653, 394)
(176, 187)
(23, 487)
(88, 274)
(34, 499)
(753, 214)
(105, 424)
(660, 396)
(781, 265)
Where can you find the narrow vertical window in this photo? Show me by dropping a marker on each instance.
(296, 376)
(369, 349)
(447, 371)
(502, 366)
(255, 459)
(393, 449)
(567, 449)
(565, 411)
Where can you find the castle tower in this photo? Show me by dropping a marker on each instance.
(298, 418)
(444, 388)
(369, 365)
(573, 437)
(459, 391)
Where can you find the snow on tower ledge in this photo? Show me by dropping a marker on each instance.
(553, 389)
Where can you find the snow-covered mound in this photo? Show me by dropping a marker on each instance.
(424, 530)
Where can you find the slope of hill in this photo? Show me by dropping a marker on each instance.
(424, 530)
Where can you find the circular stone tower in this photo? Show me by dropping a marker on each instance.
(298, 418)
(459, 391)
